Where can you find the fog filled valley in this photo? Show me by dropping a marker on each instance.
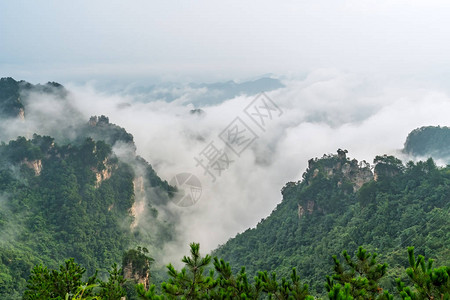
(94, 174)
(225, 150)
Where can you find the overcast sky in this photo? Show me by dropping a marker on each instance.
(215, 40)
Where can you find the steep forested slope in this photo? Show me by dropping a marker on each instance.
(73, 199)
(340, 205)
(70, 195)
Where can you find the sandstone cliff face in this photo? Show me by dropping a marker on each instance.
(104, 174)
(21, 114)
(35, 165)
(130, 273)
(100, 176)
(309, 208)
(349, 175)
(355, 172)
(139, 204)
(138, 184)
(136, 266)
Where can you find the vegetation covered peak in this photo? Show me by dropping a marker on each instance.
(398, 205)
(429, 141)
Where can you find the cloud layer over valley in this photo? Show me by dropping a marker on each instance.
(322, 112)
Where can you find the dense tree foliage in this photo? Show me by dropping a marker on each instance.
(12, 93)
(71, 196)
(55, 284)
(10, 104)
(359, 278)
(72, 200)
(429, 283)
(320, 215)
(429, 141)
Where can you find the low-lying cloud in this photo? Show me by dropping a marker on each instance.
(325, 111)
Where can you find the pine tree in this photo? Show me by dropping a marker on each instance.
(190, 282)
(230, 286)
(113, 288)
(64, 283)
(359, 278)
(429, 283)
(285, 289)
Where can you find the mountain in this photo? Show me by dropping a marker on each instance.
(340, 204)
(429, 141)
(73, 196)
(10, 104)
(220, 91)
(199, 94)
(77, 189)
(12, 92)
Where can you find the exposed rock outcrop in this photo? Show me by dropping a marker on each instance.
(21, 114)
(136, 266)
(103, 174)
(329, 172)
(357, 173)
(35, 165)
(130, 273)
(139, 203)
(309, 208)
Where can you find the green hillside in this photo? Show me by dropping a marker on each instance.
(69, 199)
(339, 205)
(73, 199)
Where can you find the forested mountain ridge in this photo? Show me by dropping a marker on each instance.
(12, 91)
(73, 201)
(69, 194)
(429, 141)
(73, 197)
(327, 212)
(10, 104)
